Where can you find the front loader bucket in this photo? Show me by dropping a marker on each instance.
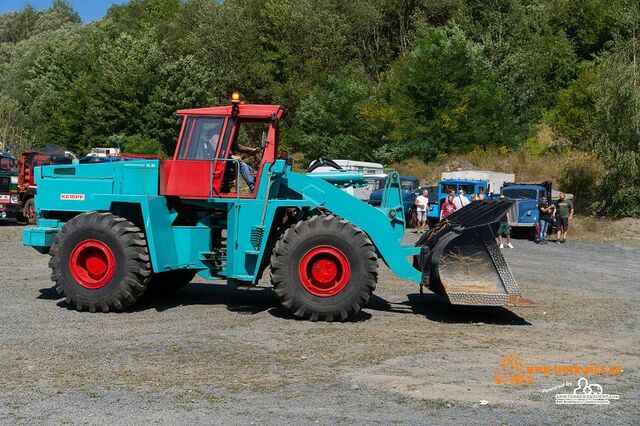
(461, 261)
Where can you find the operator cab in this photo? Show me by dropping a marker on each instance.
(221, 151)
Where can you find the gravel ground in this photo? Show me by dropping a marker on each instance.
(211, 354)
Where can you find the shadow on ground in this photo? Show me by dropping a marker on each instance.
(243, 301)
(250, 301)
(436, 308)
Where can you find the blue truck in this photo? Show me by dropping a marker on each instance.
(408, 185)
(448, 185)
(524, 212)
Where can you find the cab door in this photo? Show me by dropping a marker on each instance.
(197, 169)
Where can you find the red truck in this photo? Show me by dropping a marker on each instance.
(26, 185)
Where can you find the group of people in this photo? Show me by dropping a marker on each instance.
(455, 202)
(558, 214)
(449, 206)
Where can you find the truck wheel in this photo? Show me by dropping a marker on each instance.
(29, 212)
(170, 281)
(100, 262)
(324, 269)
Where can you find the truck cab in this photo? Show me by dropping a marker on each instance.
(446, 186)
(9, 202)
(525, 213)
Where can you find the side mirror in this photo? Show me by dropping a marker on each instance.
(263, 140)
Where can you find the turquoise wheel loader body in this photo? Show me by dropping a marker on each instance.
(115, 228)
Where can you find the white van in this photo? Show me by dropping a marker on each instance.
(373, 172)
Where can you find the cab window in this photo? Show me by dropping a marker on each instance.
(201, 138)
(8, 164)
(448, 187)
(407, 184)
(468, 189)
(530, 194)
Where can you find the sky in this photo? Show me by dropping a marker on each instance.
(89, 10)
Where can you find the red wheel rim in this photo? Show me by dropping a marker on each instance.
(92, 264)
(324, 271)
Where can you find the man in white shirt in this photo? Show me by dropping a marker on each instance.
(461, 200)
(422, 207)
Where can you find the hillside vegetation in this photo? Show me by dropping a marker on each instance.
(381, 80)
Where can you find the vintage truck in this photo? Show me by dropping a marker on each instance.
(524, 213)
(446, 186)
(9, 202)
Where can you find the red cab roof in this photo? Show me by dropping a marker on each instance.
(246, 110)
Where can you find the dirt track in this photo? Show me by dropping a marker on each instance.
(211, 354)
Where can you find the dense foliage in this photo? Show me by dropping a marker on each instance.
(366, 79)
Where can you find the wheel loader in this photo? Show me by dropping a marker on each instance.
(117, 229)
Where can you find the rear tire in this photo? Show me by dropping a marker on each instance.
(100, 262)
(170, 281)
(324, 268)
(29, 212)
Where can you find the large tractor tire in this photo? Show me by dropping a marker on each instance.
(324, 268)
(100, 262)
(170, 281)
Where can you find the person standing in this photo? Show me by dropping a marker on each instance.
(461, 200)
(447, 208)
(504, 229)
(545, 217)
(422, 207)
(564, 212)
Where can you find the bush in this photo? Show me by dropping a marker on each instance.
(137, 144)
(449, 96)
(582, 176)
(620, 189)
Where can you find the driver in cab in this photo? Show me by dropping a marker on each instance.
(245, 169)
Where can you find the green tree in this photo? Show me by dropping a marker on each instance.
(616, 133)
(448, 96)
(575, 110)
(334, 121)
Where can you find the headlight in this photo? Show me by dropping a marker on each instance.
(14, 199)
(14, 179)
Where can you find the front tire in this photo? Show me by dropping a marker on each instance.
(324, 268)
(100, 262)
